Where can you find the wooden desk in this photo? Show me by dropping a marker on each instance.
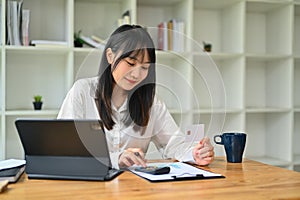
(247, 180)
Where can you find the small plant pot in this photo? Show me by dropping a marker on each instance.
(77, 43)
(37, 105)
(207, 47)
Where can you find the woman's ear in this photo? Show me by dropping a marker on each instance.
(110, 55)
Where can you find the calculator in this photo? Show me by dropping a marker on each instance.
(155, 170)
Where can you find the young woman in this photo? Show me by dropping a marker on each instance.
(123, 97)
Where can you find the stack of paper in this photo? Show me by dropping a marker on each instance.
(11, 169)
(179, 171)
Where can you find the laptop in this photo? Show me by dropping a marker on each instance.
(65, 149)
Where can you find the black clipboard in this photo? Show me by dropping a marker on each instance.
(179, 172)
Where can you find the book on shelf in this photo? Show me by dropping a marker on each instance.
(25, 27)
(9, 23)
(162, 36)
(98, 39)
(13, 22)
(93, 41)
(11, 170)
(48, 43)
(171, 35)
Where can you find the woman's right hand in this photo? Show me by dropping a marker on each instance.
(132, 156)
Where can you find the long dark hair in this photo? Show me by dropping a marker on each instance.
(125, 41)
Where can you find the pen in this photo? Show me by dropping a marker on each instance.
(137, 154)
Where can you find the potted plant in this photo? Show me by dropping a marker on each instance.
(37, 103)
(78, 42)
(207, 46)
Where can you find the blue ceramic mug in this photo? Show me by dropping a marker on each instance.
(234, 144)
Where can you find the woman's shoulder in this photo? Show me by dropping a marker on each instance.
(86, 85)
(157, 102)
(86, 81)
(159, 108)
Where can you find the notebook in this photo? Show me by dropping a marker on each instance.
(12, 174)
(65, 149)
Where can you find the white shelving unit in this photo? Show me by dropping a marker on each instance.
(249, 82)
(296, 48)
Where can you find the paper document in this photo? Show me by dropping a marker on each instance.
(194, 133)
(11, 163)
(179, 171)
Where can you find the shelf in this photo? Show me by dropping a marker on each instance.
(267, 110)
(164, 12)
(25, 113)
(251, 78)
(217, 56)
(268, 83)
(297, 83)
(175, 111)
(214, 24)
(262, 22)
(86, 62)
(104, 12)
(86, 50)
(101, 1)
(49, 20)
(218, 110)
(266, 57)
(171, 55)
(37, 50)
(220, 122)
(296, 137)
(214, 4)
(265, 132)
(265, 6)
(297, 30)
(215, 82)
(36, 74)
(158, 3)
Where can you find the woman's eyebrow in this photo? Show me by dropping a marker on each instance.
(134, 58)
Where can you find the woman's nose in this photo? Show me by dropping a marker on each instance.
(135, 72)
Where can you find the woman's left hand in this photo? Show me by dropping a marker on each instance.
(203, 152)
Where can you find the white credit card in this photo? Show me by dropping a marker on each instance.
(194, 133)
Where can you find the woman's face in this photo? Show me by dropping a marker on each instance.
(131, 70)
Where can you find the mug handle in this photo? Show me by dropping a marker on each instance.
(215, 139)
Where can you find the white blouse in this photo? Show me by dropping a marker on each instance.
(161, 129)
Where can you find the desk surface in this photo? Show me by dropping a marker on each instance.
(247, 180)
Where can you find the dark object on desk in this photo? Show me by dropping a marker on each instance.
(234, 144)
(65, 149)
(12, 174)
(154, 170)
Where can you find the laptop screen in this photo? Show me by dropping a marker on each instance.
(53, 137)
(63, 141)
